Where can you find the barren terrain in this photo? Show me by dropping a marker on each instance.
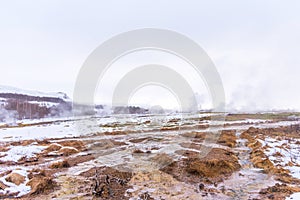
(178, 156)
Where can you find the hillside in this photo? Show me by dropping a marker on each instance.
(17, 103)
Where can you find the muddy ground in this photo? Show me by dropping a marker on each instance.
(247, 160)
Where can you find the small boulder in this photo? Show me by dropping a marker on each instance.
(201, 186)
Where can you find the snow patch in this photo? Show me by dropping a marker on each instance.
(13, 90)
(17, 152)
(21, 189)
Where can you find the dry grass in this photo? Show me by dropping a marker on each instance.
(211, 168)
(116, 133)
(40, 184)
(15, 178)
(280, 191)
(60, 164)
(255, 145)
(79, 145)
(53, 147)
(66, 151)
(214, 167)
(169, 128)
(228, 138)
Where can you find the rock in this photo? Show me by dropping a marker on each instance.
(145, 196)
(15, 178)
(201, 186)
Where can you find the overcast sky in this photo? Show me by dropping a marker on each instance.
(254, 45)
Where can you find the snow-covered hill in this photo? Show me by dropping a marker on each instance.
(13, 90)
(19, 104)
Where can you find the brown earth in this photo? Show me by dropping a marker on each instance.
(60, 164)
(226, 137)
(108, 183)
(214, 167)
(2, 186)
(278, 191)
(15, 178)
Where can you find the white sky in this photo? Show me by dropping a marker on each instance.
(254, 45)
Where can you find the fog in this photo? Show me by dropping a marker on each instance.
(254, 46)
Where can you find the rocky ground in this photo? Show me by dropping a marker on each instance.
(251, 157)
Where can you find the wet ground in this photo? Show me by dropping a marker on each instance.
(179, 156)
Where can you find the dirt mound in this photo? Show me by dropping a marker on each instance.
(211, 168)
(60, 164)
(255, 145)
(116, 133)
(66, 151)
(170, 128)
(40, 184)
(263, 163)
(228, 138)
(72, 161)
(53, 147)
(40, 181)
(15, 178)
(108, 183)
(22, 143)
(218, 162)
(139, 140)
(249, 134)
(278, 191)
(216, 165)
(79, 145)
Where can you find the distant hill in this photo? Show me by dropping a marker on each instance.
(26, 104)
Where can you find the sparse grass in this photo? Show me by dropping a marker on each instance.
(211, 168)
(264, 116)
(228, 138)
(60, 164)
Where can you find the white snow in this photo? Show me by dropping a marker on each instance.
(13, 90)
(13, 188)
(289, 151)
(295, 171)
(44, 104)
(294, 196)
(245, 121)
(17, 152)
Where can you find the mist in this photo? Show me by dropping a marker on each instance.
(254, 46)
